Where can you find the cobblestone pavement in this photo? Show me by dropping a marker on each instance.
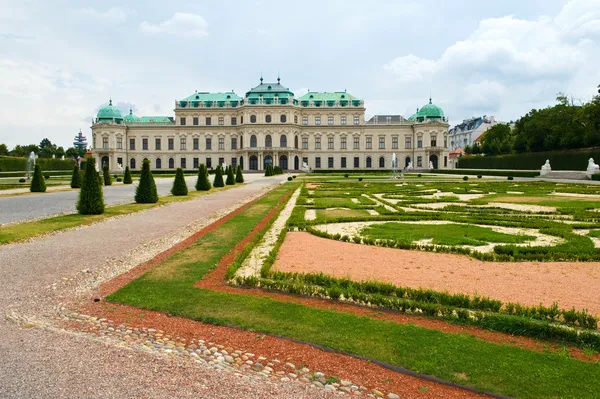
(39, 277)
(19, 208)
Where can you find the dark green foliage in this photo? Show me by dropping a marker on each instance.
(37, 182)
(127, 178)
(106, 174)
(289, 178)
(596, 176)
(479, 176)
(22, 180)
(46, 177)
(179, 185)
(145, 192)
(18, 164)
(419, 175)
(360, 179)
(269, 170)
(119, 180)
(560, 160)
(499, 172)
(345, 174)
(510, 178)
(230, 176)
(76, 178)
(277, 170)
(294, 176)
(100, 178)
(218, 181)
(239, 178)
(203, 184)
(465, 178)
(91, 198)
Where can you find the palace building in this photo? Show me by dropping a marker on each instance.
(270, 126)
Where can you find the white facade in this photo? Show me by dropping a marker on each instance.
(469, 130)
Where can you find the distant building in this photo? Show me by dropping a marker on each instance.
(467, 132)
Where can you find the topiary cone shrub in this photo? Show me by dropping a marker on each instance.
(230, 177)
(203, 184)
(91, 198)
(127, 178)
(37, 182)
(145, 192)
(218, 182)
(465, 178)
(239, 178)
(179, 185)
(289, 178)
(106, 173)
(76, 178)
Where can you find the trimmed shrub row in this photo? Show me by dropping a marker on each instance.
(514, 173)
(17, 164)
(560, 160)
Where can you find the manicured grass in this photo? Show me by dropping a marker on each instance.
(22, 231)
(498, 368)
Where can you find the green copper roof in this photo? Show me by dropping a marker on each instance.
(130, 118)
(207, 99)
(268, 89)
(155, 119)
(329, 99)
(430, 111)
(109, 113)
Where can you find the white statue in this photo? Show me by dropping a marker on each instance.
(430, 165)
(409, 167)
(120, 166)
(62, 158)
(592, 168)
(546, 168)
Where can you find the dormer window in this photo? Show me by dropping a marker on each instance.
(269, 88)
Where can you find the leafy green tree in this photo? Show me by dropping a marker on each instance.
(179, 185)
(106, 175)
(38, 185)
(127, 177)
(218, 181)
(145, 192)
(230, 176)
(468, 149)
(91, 197)
(203, 184)
(72, 152)
(31, 148)
(76, 178)
(3, 149)
(239, 177)
(60, 152)
(18, 151)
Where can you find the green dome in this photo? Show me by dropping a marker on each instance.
(109, 113)
(130, 118)
(413, 116)
(430, 111)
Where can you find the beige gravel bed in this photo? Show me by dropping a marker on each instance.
(530, 283)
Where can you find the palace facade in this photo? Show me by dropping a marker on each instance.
(269, 125)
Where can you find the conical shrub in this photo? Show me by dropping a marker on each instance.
(239, 178)
(106, 174)
(203, 184)
(268, 171)
(230, 176)
(218, 182)
(37, 182)
(179, 185)
(91, 198)
(145, 192)
(127, 178)
(76, 177)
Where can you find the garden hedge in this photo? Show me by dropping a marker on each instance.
(559, 160)
(514, 173)
(17, 164)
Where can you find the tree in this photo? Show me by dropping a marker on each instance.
(91, 198)
(3, 149)
(230, 176)
(468, 149)
(38, 185)
(72, 152)
(31, 148)
(145, 192)
(106, 174)
(76, 178)
(60, 152)
(203, 184)
(127, 178)
(218, 182)
(239, 178)
(179, 185)
(18, 151)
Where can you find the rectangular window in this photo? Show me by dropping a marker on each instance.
(305, 143)
(119, 143)
(356, 162)
(195, 122)
(305, 160)
(305, 120)
(145, 144)
(317, 143)
(343, 119)
(318, 162)
(369, 143)
(356, 143)
(419, 142)
(434, 141)
(171, 144)
(132, 144)
(445, 161)
(105, 143)
(382, 143)
(242, 119)
(221, 143)
(394, 143)
(208, 121)
(330, 120)
(233, 121)
(157, 144)
(330, 143)
(343, 143)
(183, 163)
(182, 143)
(208, 163)
(317, 120)
(196, 163)
(343, 162)
(234, 162)
(120, 161)
(196, 143)
(182, 121)
(419, 161)
(407, 142)
(208, 143)
(330, 162)
(445, 141)
(234, 143)
(221, 161)
(221, 120)
(356, 119)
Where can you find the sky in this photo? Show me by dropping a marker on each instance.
(61, 61)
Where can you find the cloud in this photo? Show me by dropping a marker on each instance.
(112, 15)
(12, 36)
(180, 24)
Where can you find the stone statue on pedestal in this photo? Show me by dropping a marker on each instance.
(592, 168)
(546, 168)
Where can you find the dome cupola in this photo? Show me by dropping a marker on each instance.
(109, 114)
(429, 112)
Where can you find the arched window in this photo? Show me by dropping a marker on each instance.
(268, 141)
(369, 162)
(241, 142)
(283, 118)
(171, 163)
(158, 163)
(382, 162)
(268, 118)
(253, 141)
(295, 118)
(252, 118)
(283, 141)
(132, 163)
(295, 141)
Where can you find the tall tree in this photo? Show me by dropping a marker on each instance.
(38, 185)
(91, 197)
(145, 192)
(3, 149)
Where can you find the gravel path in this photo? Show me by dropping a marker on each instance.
(38, 277)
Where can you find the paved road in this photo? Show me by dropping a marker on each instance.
(33, 206)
